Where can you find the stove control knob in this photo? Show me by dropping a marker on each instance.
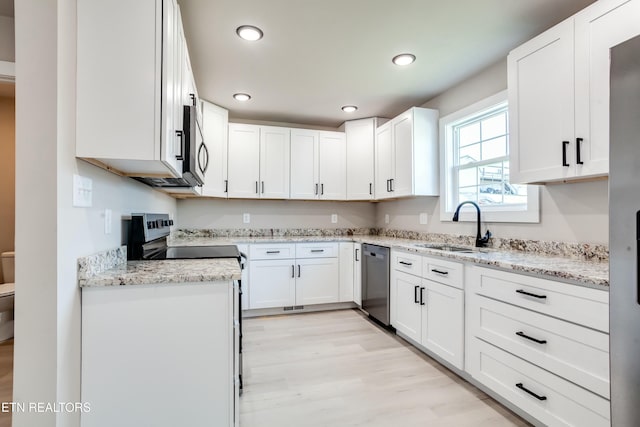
(151, 224)
(158, 223)
(170, 222)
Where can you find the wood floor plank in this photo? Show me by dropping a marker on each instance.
(339, 369)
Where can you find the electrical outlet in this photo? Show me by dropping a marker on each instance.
(386, 218)
(107, 221)
(246, 218)
(82, 191)
(423, 218)
(334, 218)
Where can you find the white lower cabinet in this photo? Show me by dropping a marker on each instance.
(540, 344)
(286, 275)
(425, 311)
(347, 271)
(149, 352)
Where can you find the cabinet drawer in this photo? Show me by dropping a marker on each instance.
(443, 271)
(574, 352)
(317, 250)
(272, 251)
(577, 304)
(406, 262)
(547, 397)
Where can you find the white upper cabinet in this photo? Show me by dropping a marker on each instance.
(361, 135)
(407, 155)
(318, 165)
(559, 95)
(214, 131)
(258, 162)
(129, 75)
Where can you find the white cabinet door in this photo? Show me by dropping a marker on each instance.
(317, 281)
(360, 135)
(598, 28)
(272, 283)
(274, 162)
(406, 304)
(244, 161)
(332, 165)
(304, 169)
(402, 131)
(172, 86)
(347, 276)
(385, 161)
(215, 121)
(541, 107)
(357, 273)
(442, 321)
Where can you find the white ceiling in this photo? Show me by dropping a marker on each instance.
(317, 55)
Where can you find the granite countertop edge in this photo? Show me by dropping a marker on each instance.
(586, 273)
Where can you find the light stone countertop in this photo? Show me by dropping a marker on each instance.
(168, 271)
(589, 273)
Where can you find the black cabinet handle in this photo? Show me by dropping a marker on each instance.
(388, 186)
(257, 192)
(317, 250)
(262, 187)
(391, 182)
(357, 259)
(529, 294)
(564, 153)
(273, 252)
(537, 396)
(422, 296)
(226, 185)
(180, 135)
(522, 334)
(298, 270)
(415, 294)
(293, 271)
(371, 189)
(405, 263)
(578, 146)
(444, 273)
(322, 189)
(316, 189)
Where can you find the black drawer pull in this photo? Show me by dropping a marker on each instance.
(405, 263)
(444, 273)
(317, 250)
(522, 334)
(537, 396)
(529, 294)
(415, 294)
(564, 153)
(273, 252)
(422, 296)
(578, 148)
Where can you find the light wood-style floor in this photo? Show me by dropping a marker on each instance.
(339, 369)
(6, 379)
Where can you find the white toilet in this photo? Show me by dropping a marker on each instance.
(7, 290)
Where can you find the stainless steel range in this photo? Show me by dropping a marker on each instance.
(147, 240)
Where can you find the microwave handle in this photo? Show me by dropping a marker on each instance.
(203, 162)
(180, 134)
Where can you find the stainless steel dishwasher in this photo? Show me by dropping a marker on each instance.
(375, 282)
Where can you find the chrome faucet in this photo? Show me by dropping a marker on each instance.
(480, 241)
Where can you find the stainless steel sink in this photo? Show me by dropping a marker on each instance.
(446, 248)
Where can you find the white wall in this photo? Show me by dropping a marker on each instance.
(568, 212)
(50, 233)
(211, 213)
(7, 39)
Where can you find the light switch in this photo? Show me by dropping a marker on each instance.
(423, 218)
(386, 218)
(334, 218)
(246, 218)
(82, 191)
(107, 221)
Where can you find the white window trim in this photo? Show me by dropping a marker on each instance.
(468, 213)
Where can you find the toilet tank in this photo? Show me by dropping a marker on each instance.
(8, 266)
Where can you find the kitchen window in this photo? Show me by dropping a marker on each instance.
(475, 165)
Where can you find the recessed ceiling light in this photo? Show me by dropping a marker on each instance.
(404, 59)
(349, 108)
(249, 32)
(241, 97)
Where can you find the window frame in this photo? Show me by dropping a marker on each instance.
(448, 181)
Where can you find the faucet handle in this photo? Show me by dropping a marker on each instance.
(487, 235)
(482, 242)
